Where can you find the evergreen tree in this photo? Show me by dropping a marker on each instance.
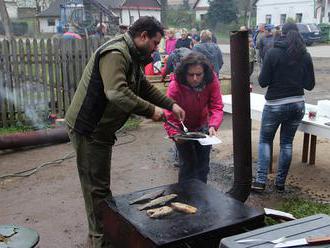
(221, 11)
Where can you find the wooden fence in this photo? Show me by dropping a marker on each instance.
(39, 77)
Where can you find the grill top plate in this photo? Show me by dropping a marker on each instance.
(216, 212)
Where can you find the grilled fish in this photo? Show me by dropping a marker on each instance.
(147, 197)
(158, 201)
(183, 207)
(159, 212)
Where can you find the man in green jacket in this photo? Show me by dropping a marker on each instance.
(112, 88)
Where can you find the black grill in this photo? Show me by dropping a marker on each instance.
(218, 216)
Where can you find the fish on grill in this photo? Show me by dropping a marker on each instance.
(159, 212)
(158, 201)
(182, 207)
(147, 197)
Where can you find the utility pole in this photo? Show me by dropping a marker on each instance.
(5, 19)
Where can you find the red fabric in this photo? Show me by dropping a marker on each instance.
(149, 69)
(202, 108)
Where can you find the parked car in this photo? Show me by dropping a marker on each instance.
(310, 33)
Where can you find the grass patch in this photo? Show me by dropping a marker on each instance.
(300, 208)
(11, 130)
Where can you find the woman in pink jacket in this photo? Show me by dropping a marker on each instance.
(195, 87)
(170, 42)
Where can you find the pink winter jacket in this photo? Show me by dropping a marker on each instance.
(170, 45)
(203, 109)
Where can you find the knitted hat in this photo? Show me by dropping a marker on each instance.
(288, 27)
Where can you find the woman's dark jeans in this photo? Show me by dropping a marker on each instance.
(289, 116)
(194, 161)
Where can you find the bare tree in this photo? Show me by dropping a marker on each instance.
(245, 8)
(5, 18)
(320, 4)
(163, 13)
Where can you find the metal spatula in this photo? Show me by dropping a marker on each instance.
(185, 129)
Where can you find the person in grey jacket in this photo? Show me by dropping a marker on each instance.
(265, 43)
(210, 50)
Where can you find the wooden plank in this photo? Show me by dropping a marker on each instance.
(77, 63)
(305, 148)
(71, 68)
(94, 44)
(22, 73)
(83, 55)
(88, 47)
(51, 75)
(44, 76)
(37, 78)
(82, 58)
(32, 103)
(65, 75)
(15, 76)
(58, 78)
(3, 102)
(312, 151)
(24, 87)
(8, 82)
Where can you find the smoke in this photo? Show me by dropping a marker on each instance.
(34, 115)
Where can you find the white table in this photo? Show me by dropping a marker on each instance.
(310, 128)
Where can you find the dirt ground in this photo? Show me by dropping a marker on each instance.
(50, 201)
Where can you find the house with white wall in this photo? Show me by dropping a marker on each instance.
(201, 7)
(131, 10)
(305, 11)
(127, 11)
(11, 6)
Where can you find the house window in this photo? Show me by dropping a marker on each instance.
(131, 19)
(268, 19)
(299, 17)
(283, 19)
(203, 17)
(51, 22)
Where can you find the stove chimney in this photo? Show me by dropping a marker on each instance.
(240, 90)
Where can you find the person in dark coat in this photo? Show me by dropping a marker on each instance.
(210, 50)
(286, 72)
(265, 43)
(184, 41)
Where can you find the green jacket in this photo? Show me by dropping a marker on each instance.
(112, 87)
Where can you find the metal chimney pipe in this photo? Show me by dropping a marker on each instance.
(240, 88)
(32, 138)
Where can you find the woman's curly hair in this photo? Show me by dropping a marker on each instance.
(194, 58)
